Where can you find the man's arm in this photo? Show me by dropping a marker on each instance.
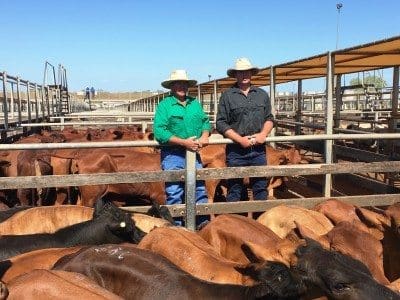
(262, 135)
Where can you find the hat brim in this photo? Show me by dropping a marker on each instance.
(231, 72)
(167, 83)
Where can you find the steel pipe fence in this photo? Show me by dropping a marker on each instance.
(190, 175)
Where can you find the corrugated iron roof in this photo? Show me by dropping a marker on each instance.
(376, 55)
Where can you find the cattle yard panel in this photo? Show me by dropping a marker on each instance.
(24, 97)
(201, 174)
(190, 173)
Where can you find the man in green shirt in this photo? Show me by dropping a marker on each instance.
(181, 122)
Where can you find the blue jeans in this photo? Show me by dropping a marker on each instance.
(236, 156)
(175, 159)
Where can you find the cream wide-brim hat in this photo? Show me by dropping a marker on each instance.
(178, 75)
(242, 64)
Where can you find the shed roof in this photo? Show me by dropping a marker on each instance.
(375, 55)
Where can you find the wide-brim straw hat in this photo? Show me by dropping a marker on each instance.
(242, 64)
(178, 75)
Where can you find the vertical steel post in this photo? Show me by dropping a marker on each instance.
(338, 107)
(52, 101)
(298, 111)
(29, 102)
(42, 107)
(12, 100)
(5, 104)
(394, 112)
(215, 97)
(19, 102)
(272, 98)
(199, 95)
(338, 96)
(36, 105)
(395, 97)
(329, 121)
(190, 190)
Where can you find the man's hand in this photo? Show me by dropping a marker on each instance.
(245, 141)
(191, 144)
(203, 141)
(258, 138)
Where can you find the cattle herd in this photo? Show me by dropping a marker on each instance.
(96, 250)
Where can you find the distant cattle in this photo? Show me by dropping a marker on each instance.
(213, 156)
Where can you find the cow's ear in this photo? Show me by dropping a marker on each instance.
(308, 234)
(373, 219)
(254, 253)
(249, 270)
(98, 207)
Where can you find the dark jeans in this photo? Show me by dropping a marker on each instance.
(236, 156)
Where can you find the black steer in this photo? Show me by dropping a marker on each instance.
(337, 276)
(134, 273)
(109, 225)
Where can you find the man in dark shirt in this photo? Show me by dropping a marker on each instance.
(244, 115)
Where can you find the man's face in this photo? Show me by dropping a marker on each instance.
(179, 88)
(243, 77)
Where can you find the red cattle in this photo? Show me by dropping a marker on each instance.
(52, 284)
(26, 262)
(192, 254)
(282, 219)
(213, 156)
(226, 233)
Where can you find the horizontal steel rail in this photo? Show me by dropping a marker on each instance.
(114, 144)
(261, 205)
(202, 174)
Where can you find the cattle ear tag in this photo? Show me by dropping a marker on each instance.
(122, 224)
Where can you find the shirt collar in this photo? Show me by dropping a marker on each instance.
(235, 89)
(187, 98)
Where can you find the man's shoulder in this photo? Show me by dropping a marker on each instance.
(229, 91)
(166, 101)
(190, 98)
(259, 90)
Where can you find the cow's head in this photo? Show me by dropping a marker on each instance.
(336, 275)
(275, 278)
(118, 222)
(292, 156)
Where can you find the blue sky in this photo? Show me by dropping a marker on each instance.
(123, 45)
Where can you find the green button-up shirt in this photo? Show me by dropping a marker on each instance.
(174, 119)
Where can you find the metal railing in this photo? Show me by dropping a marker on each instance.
(190, 174)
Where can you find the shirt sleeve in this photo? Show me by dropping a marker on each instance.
(206, 121)
(161, 132)
(222, 124)
(268, 110)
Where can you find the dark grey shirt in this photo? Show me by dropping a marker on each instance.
(245, 115)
